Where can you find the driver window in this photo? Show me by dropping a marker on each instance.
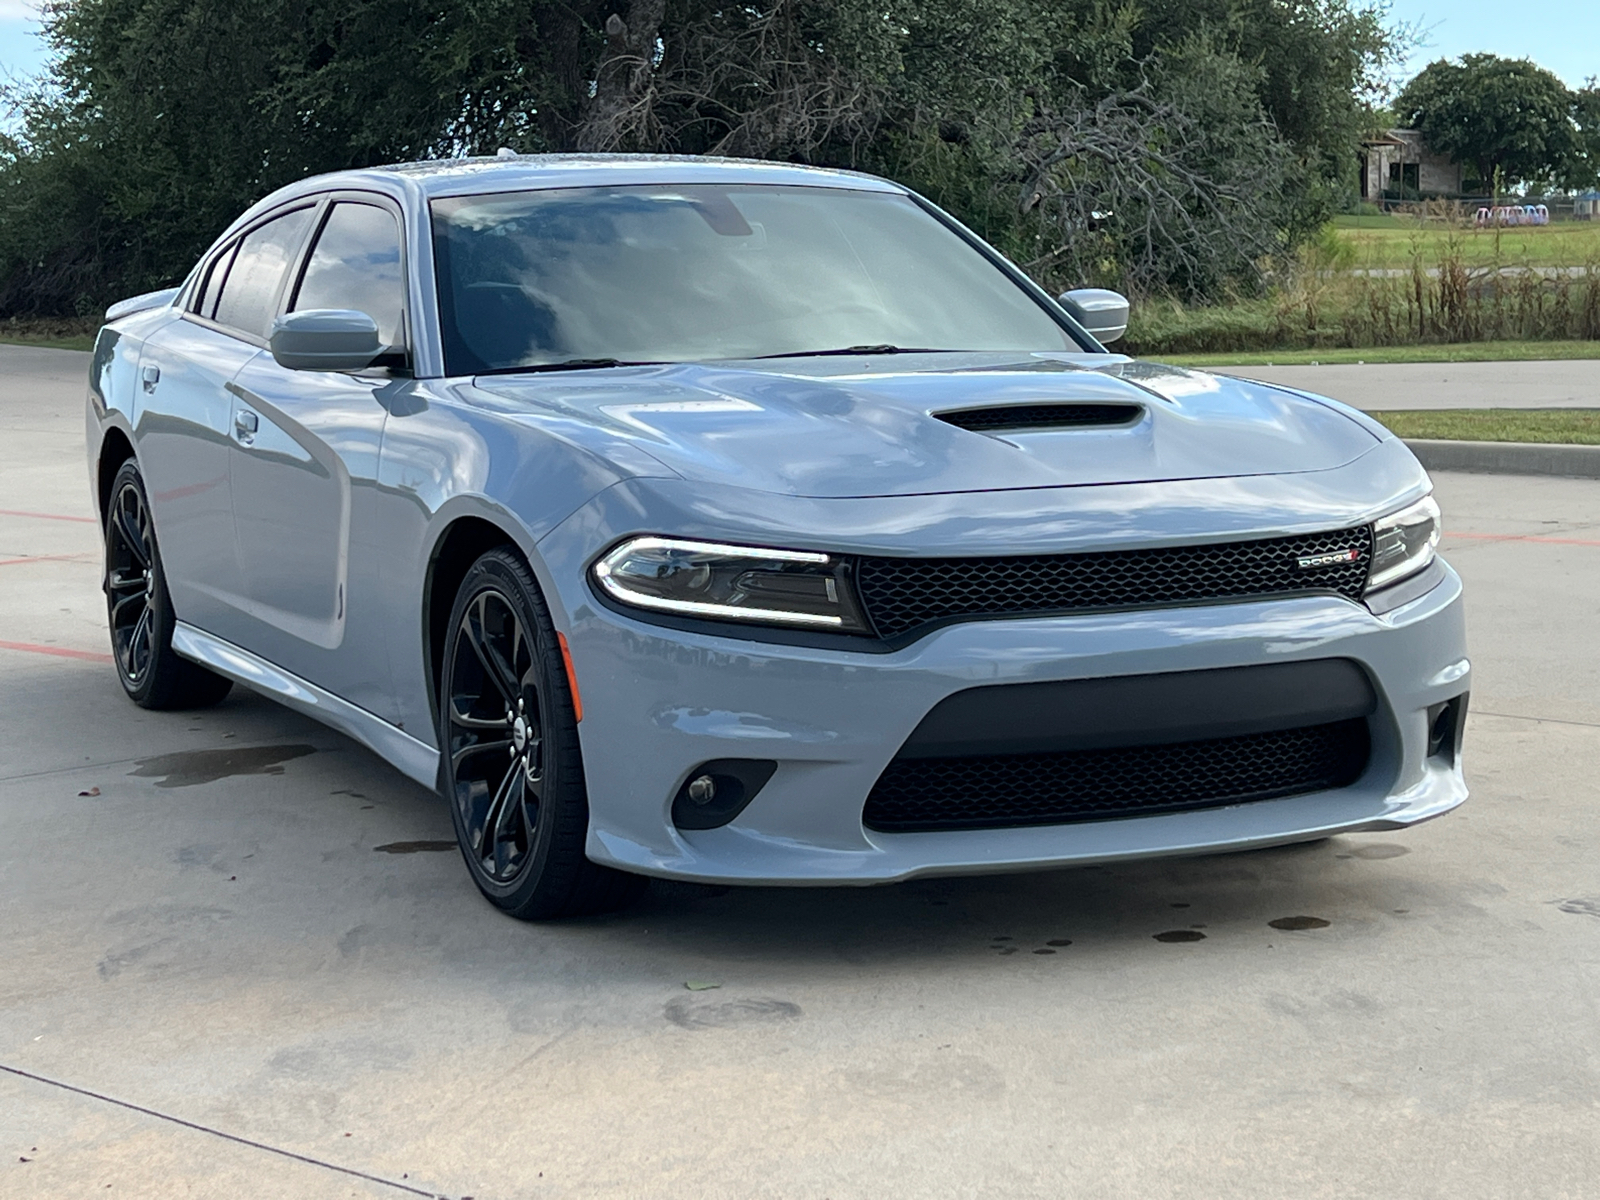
(355, 264)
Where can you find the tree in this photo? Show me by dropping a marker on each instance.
(1169, 146)
(1509, 119)
(1584, 169)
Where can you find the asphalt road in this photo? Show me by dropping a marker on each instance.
(1566, 384)
(235, 935)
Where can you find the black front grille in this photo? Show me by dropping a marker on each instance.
(1018, 417)
(998, 790)
(902, 594)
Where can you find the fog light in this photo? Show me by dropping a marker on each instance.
(716, 792)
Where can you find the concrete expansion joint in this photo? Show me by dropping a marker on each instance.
(231, 1137)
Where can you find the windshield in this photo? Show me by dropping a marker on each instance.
(682, 273)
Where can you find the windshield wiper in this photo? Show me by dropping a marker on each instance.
(567, 364)
(883, 348)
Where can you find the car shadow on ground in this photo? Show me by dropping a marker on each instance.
(1261, 895)
(395, 839)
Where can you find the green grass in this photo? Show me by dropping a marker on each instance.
(84, 342)
(1571, 426)
(1373, 221)
(51, 333)
(1390, 242)
(1430, 353)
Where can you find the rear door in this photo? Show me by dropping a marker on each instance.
(305, 460)
(185, 414)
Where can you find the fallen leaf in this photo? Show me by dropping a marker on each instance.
(700, 985)
(94, 791)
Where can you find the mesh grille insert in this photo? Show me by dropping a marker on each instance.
(1041, 416)
(902, 594)
(999, 790)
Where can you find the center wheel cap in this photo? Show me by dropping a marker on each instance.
(519, 734)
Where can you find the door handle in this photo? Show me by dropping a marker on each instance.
(150, 375)
(245, 424)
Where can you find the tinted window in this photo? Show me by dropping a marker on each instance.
(264, 255)
(212, 284)
(698, 272)
(356, 264)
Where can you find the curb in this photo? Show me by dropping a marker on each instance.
(1508, 458)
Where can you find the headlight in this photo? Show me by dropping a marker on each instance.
(732, 583)
(1403, 543)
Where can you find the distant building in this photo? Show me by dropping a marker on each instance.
(1586, 206)
(1398, 165)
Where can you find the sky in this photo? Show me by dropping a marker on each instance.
(1562, 35)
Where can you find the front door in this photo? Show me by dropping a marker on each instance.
(304, 469)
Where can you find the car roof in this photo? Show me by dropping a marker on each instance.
(473, 176)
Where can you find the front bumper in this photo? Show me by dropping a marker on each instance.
(658, 702)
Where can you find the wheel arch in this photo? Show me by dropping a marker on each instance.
(459, 545)
(116, 448)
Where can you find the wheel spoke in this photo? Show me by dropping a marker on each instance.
(512, 814)
(491, 815)
(466, 752)
(478, 638)
(132, 538)
(465, 720)
(139, 637)
(139, 597)
(121, 581)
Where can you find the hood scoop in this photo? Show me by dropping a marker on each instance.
(1017, 418)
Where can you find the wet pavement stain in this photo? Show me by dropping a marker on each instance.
(1299, 923)
(1582, 906)
(1381, 850)
(687, 1013)
(414, 847)
(1059, 942)
(188, 768)
(1180, 935)
(1044, 950)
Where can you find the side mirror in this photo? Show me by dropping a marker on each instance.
(1103, 313)
(325, 339)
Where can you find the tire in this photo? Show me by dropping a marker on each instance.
(139, 607)
(512, 766)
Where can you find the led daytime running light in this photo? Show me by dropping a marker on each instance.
(1404, 543)
(731, 583)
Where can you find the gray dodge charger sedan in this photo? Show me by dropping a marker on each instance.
(752, 523)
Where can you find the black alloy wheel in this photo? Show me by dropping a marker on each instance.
(130, 574)
(139, 608)
(512, 769)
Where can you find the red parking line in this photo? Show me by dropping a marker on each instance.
(56, 651)
(11, 562)
(1523, 537)
(12, 512)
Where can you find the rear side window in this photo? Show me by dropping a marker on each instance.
(251, 288)
(216, 272)
(356, 265)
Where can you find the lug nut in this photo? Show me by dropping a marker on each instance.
(703, 790)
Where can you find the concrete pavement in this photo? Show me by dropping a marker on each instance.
(240, 920)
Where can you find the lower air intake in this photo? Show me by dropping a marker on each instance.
(1056, 788)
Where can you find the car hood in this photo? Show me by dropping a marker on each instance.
(853, 427)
